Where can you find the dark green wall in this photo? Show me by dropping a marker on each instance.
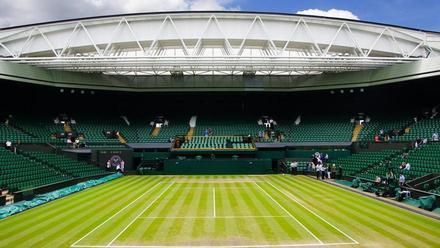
(217, 166)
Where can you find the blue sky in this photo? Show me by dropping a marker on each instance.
(422, 14)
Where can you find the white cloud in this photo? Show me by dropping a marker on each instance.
(34, 11)
(329, 13)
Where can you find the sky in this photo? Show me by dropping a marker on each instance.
(420, 14)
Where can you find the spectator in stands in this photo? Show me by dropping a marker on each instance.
(294, 167)
(329, 172)
(403, 195)
(317, 163)
(323, 171)
(418, 143)
(108, 164)
(435, 136)
(317, 155)
(401, 180)
(8, 145)
(122, 165)
(377, 181)
(278, 136)
(407, 166)
(333, 171)
(318, 169)
(389, 177)
(260, 136)
(402, 165)
(206, 132)
(376, 138)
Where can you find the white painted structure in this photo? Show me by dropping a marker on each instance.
(209, 43)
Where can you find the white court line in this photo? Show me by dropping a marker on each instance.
(290, 196)
(218, 217)
(213, 191)
(140, 214)
(293, 217)
(111, 217)
(213, 246)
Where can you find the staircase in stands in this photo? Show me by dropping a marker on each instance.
(356, 131)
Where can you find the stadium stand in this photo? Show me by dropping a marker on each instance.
(423, 160)
(358, 164)
(176, 126)
(18, 172)
(228, 125)
(41, 127)
(217, 142)
(27, 170)
(317, 129)
(8, 132)
(93, 128)
(423, 129)
(73, 168)
(386, 123)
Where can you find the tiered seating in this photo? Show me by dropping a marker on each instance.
(228, 125)
(317, 129)
(14, 135)
(67, 165)
(313, 128)
(93, 126)
(355, 164)
(423, 160)
(387, 123)
(422, 129)
(177, 125)
(435, 190)
(41, 127)
(18, 172)
(216, 142)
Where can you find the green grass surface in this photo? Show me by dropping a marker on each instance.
(269, 211)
